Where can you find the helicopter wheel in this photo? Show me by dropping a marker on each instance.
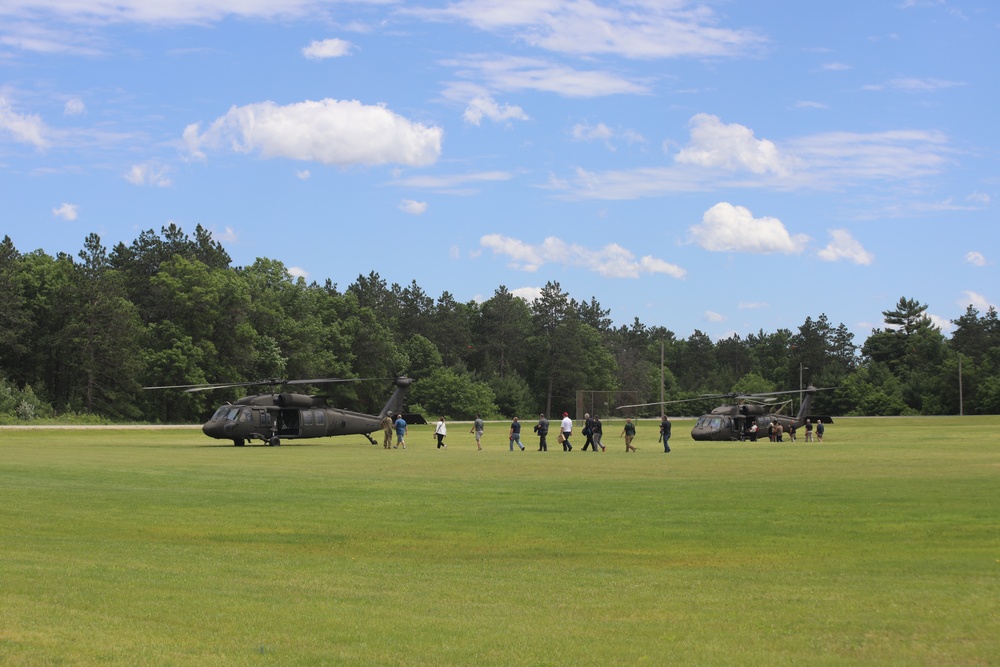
(238, 442)
(275, 441)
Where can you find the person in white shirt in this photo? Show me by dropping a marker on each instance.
(567, 430)
(440, 431)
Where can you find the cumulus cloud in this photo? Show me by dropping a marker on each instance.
(843, 246)
(730, 146)
(976, 258)
(22, 128)
(148, 174)
(303, 174)
(66, 211)
(229, 235)
(413, 207)
(529, 294)
(714, 317)
(728, 228)
(343, 133)
(327, 48)
(485, 106)
(298, 272)
(611, 261)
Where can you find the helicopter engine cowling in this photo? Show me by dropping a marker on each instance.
(293, 400)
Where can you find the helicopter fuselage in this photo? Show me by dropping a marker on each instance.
(273, 417)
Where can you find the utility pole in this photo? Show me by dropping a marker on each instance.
(662, 406)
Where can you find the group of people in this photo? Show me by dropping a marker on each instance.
(593, 431)
(776, 432)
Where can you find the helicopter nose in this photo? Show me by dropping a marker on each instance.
(213, 429)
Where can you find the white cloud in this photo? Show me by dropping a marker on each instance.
(714, 317)
(914, 85)
(329, 131)
(844, 246)
(976, 258)
(227, 236)
(752, 305)
(413, 207)
(148, 174)
(327, 48)
(453, 183)
(74, 107)
(303, 174)
(835, 67)
(611, 261)
(732, 146)
(485, 106)
(23, 128)
(529, 294)
(976, 300)
(978, 198)
(298, 272)
(819, 161)
(66, 211)
(156, 12)
(806, 104)
(641, 30)
(942, 323)
(728, 228)
(512, 73)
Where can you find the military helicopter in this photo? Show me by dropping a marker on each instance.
(271, 417)
(732, 421)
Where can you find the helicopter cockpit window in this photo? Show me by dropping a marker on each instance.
(233, 414)
(715, 422)
(246, 415)
(702, 421)
(221, 412)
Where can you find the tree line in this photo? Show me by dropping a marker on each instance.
(81, 336)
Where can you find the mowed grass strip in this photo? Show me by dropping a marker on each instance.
(878, 546)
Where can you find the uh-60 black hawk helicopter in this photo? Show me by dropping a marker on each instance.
(271, 417)
(733, 420)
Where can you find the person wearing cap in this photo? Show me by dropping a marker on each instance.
(567, 430)
(542, 429)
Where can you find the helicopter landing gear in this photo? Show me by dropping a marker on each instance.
(238, 442)
(370, 438)
(275, 441)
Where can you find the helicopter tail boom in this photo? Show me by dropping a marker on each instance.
(395, 403)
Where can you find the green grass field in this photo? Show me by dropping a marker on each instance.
(880, 546)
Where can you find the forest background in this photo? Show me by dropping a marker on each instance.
(80, 337)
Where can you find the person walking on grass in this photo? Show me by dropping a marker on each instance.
(440, 431)
(477, 428)
(598, 431)
(665, 434)
(567, 430)
(515, 434)
(400, 425)
(542, 429)
(629, 434)
(387, 429)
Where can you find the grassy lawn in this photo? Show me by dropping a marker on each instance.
(162, 547)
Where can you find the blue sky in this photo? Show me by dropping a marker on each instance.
(721, 166)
